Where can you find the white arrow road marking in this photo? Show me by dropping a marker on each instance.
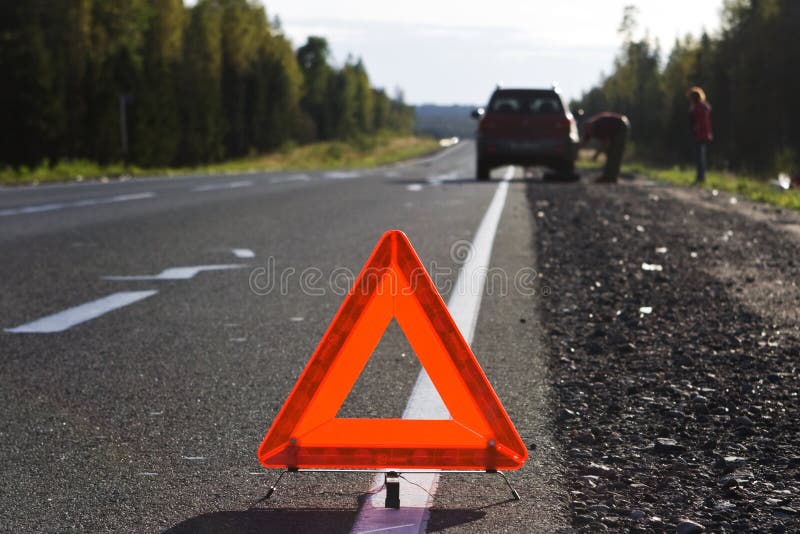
(24, 210)
(177, 273)
(58, 322)
(217, 187)
(425, 402)
(243, 253)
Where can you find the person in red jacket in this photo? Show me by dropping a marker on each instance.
(700, 121)
(611, 131)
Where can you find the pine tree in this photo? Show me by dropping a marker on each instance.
(201, 86)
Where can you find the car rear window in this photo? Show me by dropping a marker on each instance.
(525, 102)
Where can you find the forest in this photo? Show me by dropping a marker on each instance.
(158, 83)
(750, 71)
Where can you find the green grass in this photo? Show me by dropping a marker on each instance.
(753, 188)
(744, 186)
(369, 152)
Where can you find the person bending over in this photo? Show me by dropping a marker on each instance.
(610, 131)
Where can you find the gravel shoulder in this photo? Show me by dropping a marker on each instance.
(673, 332)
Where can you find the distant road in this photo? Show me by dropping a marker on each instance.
(141, 370)
(445, 121)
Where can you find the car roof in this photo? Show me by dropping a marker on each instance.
(525, 90)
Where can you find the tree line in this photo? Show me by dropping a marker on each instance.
(154, 82)
(749, 72)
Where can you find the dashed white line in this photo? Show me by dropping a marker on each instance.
(177, 273)
(290, 178)
(414, 187)
(342, 175)
(218, 187)
(438, 179)
(64, 320)
(244, 253)
(425, 402)
(129, 197)
(40, 208)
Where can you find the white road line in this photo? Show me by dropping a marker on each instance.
(414, 187)
(437, 180)
(217, 187)
(425, 402)
(243, 253)
(290, 178)
(58, 322)
(25, 210)
(342, 175)
(386, 529)
(177, 273)
(439, 155)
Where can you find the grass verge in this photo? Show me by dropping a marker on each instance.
(369, 152)
(744, 186)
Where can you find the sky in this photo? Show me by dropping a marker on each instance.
(447, 52)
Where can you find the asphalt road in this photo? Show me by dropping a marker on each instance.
(147, 417)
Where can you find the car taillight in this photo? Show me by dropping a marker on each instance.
(568, 125)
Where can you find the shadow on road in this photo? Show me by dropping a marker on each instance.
(267, 520)
(303, 520)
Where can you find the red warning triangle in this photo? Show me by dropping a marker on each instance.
(307, 433)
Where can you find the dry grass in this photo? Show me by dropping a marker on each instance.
(366, 152)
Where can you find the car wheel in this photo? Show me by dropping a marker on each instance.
(483, 169)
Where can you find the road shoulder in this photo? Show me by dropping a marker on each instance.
(510, 346)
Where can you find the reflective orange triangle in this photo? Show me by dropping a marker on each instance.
(307, 433)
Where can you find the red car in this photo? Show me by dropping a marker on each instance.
(526, 127)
